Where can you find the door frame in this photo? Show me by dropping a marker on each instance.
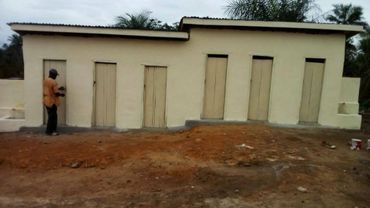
(274, 59)
(93, 121)
(217, 55)
(143, 96)
(315, 60)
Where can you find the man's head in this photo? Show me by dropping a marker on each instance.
(53, 73)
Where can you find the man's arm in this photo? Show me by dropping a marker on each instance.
(58, 94)
(56, 89)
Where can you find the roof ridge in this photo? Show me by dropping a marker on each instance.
(239, 19)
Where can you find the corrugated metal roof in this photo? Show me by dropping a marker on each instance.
(77, 25)
(238, 19)
(89, 30)
(186, 23)
(58, 24)
(303, 27)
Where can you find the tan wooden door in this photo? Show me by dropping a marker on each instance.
(155, 97)
(214, 89)
(105, 94)
(311, 93)
(259, 97)
(60, 66)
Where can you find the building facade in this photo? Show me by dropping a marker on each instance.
(212, 69)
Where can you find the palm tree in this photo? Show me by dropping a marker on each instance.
(247, 9)
(349, 15)
(346, 14)
(270, 10)
(141, 20)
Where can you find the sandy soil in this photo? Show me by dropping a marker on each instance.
(224, 166)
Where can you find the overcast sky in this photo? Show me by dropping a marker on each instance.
(103, 12)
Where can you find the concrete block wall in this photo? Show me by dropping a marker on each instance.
(348, 106)
(11, 105)
(11, 98)
(186, 63)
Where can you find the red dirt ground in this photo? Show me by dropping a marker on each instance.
(205, 166)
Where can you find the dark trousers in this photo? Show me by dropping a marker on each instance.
(52, 119)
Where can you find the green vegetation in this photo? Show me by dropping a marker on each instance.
(11, 58)
(347, 14)
(357, 58)
(362, 62)
(143, 20)
(270, 10)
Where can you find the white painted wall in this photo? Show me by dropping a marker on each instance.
(348, 104)
(350, 89)
(11, 98)
(11, 105)
(11, 93)
(186, 62)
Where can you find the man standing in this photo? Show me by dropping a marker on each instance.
(51, 101)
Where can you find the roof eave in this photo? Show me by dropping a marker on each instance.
(349, 30)
(96, 31)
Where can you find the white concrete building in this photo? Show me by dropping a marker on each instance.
(232, 70)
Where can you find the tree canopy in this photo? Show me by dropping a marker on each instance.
(270, 10)
(346, 14)
(357, 58)
(350, 15)
(363, 69)
(143, 20)
(11, 58)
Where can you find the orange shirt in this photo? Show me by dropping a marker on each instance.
(50, 88)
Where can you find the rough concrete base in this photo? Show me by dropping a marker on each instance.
(73, 129)
(62, 129)
(11, 125)
(191, 123)
(349, 121)
(188, 124)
